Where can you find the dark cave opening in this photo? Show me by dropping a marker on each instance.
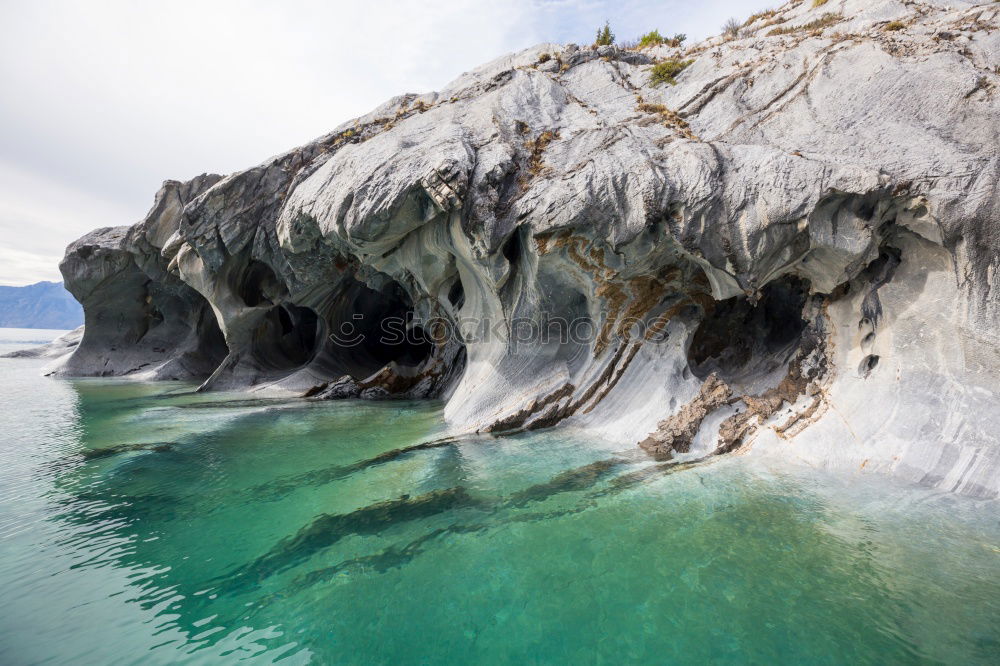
(738, 337)
(286, 338)
(512, 247)
(212, 347)
(257, 284)
(513, 251)
(456, 294)
(174, 316)
(370, 328)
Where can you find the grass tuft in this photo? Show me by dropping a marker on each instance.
(536, 151)
(669, 119)
(820, 23)
(766, 14)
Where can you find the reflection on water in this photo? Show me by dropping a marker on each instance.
(150, 524)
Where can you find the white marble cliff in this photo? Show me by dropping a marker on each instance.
(792, 249)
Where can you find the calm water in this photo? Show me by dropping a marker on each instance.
(145, 524)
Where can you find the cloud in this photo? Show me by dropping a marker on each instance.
(39, 216)
(20, 268)
(104, 101)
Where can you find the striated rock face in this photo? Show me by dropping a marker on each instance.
(793, 251)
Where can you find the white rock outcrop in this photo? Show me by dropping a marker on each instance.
(793, 251)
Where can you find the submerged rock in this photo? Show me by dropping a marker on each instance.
(808, 218)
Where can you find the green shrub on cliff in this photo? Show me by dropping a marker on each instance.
(654, 38)
(667, 71)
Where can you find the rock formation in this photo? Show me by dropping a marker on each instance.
(792, 250)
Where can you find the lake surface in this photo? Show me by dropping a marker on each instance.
(146, 524)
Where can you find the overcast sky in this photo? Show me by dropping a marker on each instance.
(103, 100)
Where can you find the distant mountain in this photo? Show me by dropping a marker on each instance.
(39, 305)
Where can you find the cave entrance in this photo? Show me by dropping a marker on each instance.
(286, 338)
(370, 328)
(256, 284)
(738, 339)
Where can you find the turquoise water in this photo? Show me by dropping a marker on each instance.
(145, 524)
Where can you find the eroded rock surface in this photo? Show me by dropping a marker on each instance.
(806, 224)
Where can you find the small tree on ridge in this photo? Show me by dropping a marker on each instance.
(604, 35)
